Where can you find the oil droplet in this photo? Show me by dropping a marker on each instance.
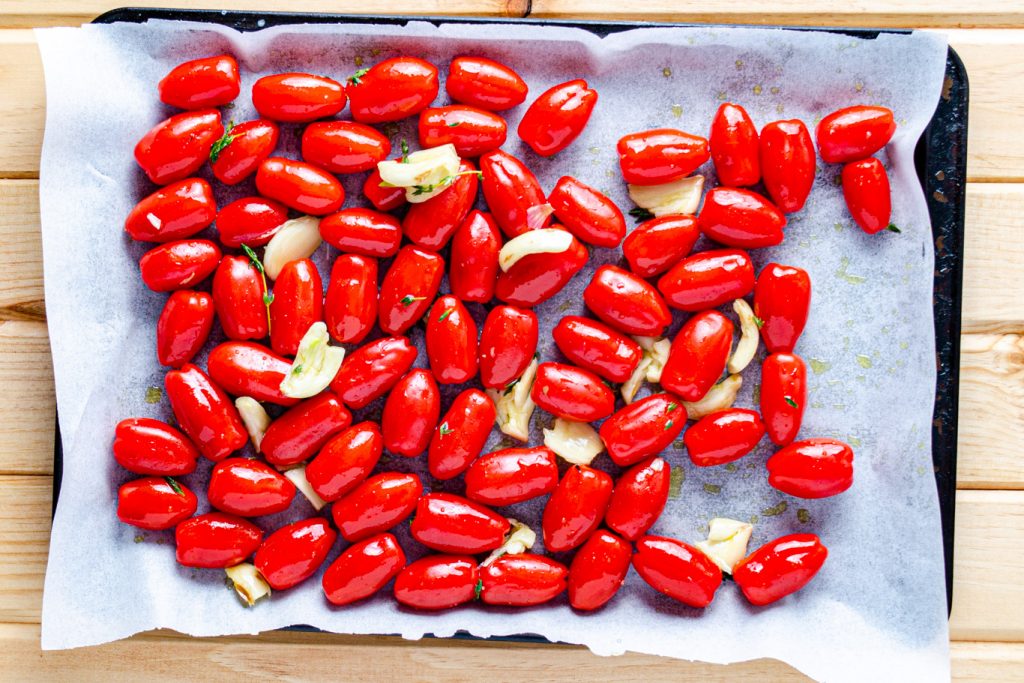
(757, 89)
(139, 538)
(774, 90)
(374, 51)
(863, 361)
(803, 515)
(859, 87)
(854, 441)
(819, 366)
(154, 394)
(666, 72)
(594, 150)
(817, 405)
(679, 445)
(839, 227)
(776, 510)
(757, 393)
(751, 465)
(358, 60)
(852, 279)
(779, 108)
(721, 95)
(753, 519)
(739, 63)
(921, 471)
(677, 110)
(675, 481)
(731, 467)
(904, 346)
(713, 489)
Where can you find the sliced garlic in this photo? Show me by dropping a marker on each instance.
(423, 174)
(575, 442)
(719, 397)
(519, 539)
(514, 406)
(297, 239)
(542, 241)
(679, 196)
(249, 583)
(297, 475)
(655, 354)
(746, 347)
(254, 417)
(727, 542)
(315, 364)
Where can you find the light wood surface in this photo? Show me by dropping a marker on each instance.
(987, 625)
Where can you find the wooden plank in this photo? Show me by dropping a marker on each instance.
(987, 662)
(21, 288)
(22, 104)
(993, 292)
(27, 401)
(24, 543)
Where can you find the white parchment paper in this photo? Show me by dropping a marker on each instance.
(877, 609)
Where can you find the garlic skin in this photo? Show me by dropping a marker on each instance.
(726, 544)
(297, 475)
(249, 583)
(514, 406)
(297, 239)
(315, 364)
(254, 417)
(575, 442)
(436, 168)
(655, 355)
(719, 397)
(677, 197)
(519, 539)
(542, 241)
(746, 347)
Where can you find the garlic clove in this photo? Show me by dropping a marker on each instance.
(677, 197)
(719, 397)
(746, 347)
(542, 241)
(254, 417)
(315, 364)
(297, 239)
(575, 442)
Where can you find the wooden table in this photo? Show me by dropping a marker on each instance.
(987, 626)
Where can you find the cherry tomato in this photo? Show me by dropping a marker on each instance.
(462, 434)
(437, 582)
(382, 197)
(376, 505)
(484, 83)
(867, 195)
(473, 131)
(597, 347)
(734, 147)
(588, 214)
(698, 355)
(250, 369)
(452, 524)
(642, 429)
(783, 396)
(451, 341)
(512, 475)
(576, 508)
(238, 154)
(507, 344)
(345, 461)
(782, 299)
(201, 83)
(661, 155)
(409, 288)
(598, 570)
(626, 302)
(294, 552)
(708, 279)
(298, 303)
(536, 278)
(350, 307)
(215, 541)
(473, 270)
(300, 186)
(787, 163)
(363, 569)
(780, 567)
(638, 498)
(370, 371)
(410, 414)
(572, 393)
(677, 569)
(723, 436)
(249, 488)
(238, 291)
(656, 245)
(146, 446)
(362, 231)
(740, 218)
(522, 580)
(251, 221)
(513, 193)
(174, 212)
(812, 468)
(392, 90)
(557, 117)
(176, 265)
(176, 147)
(155, 503)
(430, 224)
(303, 429)
(297, 97)
(183, 327)
(204, 412)
(854, 133)
(344, 146)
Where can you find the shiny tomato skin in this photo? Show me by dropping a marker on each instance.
(176, 265)
(410, 413)
(473, 131)
(298, 303)
(437, 582)
(576, 508)
(572, 393)
(513, 193)
(783, 396)
(557, 117)
(250, 143)
(534, 279)
(370, 371)
(638, 498)
(409, 288)
(597, 347)
(146, 446)
(383, 198)
(698, 355)
(215, 540)
(522, 580)
(249, 488)
(183, 327)
(588, 214)
(297, 97)
(484, 83)
(507, 344)
(787, 163)
(512, 475)
(362, 231)
(643, 428)
(678, 570)
(451, 341)
(656, 245)
(201, 83)
(204, 412)
(661, 155)
(152, 503)
(345, 461)
(376, 505)
(453, 524)
(174, 212)
(708, 279)
(812, 468)
(251, 221)
(250, 369)
(392, 90)
(740, 218)
(299, 186)
(626, 302)
(780, 567)
(301, 431)
(344, 146)
(734, 147)
(723, 436)
(363, 569)
(430, 224)
(867, 194)
(294, 552)
(782, 300)
(350, 306)
(178, 146)
(598, 570)
(854, 133)
(473, 267)
(462, 434)
(238, 292)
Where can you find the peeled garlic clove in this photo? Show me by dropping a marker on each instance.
(519, 539)
(632, 385)
(719, 397)
(656, 350)
(249, 583)
(679, 196)
(254, 417)
(727, 542)
(431, 170)
(537, 215)
(514, 405)
(297, 475)
(542, 241)
(575, 442)
(746, 347)
(315, 364)
(297, 239)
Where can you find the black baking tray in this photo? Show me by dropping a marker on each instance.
(940, 159)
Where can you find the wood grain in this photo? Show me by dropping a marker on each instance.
(21, 248)
(993, 292)
(27, 411)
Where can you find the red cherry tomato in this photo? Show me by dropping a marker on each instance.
(204, 413)
(215, 541)
(249, 488)
(557, 117)
(507, 344)
(572, 393)
(183, 327)
(656, 245)
(740, 218)
(512, 475)
(201, 83)
(362, 231)
(176, 147)
(598, 570)
(146, 446)
(409, 288)
(484, 83)
(363, 569)
(854, 133)
(812, 468)
(642, 429)
(473, 131)
(300, 186)
(350, 307)
(462, 434)
(250, 369)
(155, 503)
(177, 265)
(451, 341)
(780, 567)
(344, 146)
(782, 299)
(867, 195)
(661, 155)
(677, 569)
(244, 148)
(376, 505)
(588, 214)
(303, 429)
(437, 582)
(734, 147)
(723, 436)
(430, 224)
(638, 498)
(522, 580)
(787, 163)
(576, 508)
(597, 347)
(251, 221)
(513, 193)
(452, 524)
(297, 97)
(783, 396)
(473, 270)
(626, 302)
(410, 414)
(294, 552)
(382, 197)
(370, 371)
(708, 279)
(345, 461)
(298, 303)
(238, 291)
(536, 278)
(392, 90)
(171, 213)
(698, 355)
